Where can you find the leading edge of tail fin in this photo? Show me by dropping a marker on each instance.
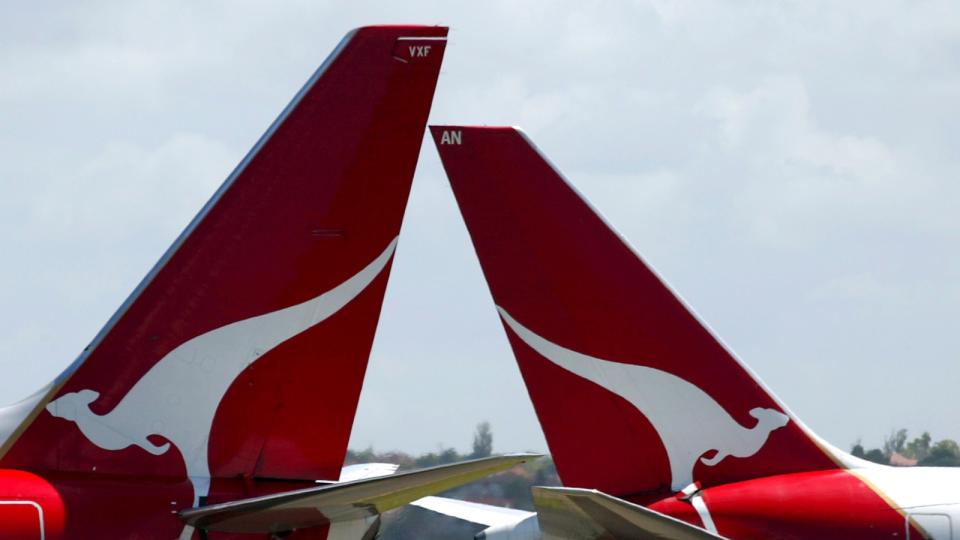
(243, 351)
(633, 392)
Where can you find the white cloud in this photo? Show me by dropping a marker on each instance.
(789, 166)
(79, 239)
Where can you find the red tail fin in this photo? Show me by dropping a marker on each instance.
(633, 392)
(242, 353)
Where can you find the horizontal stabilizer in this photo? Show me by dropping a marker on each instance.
(586, 514)
(363, 471)
(341, 502)
(481, 514)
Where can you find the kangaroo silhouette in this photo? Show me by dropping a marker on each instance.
(178, 397)
(669, 403)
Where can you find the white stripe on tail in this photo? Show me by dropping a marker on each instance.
(689, 422)
(178, 398)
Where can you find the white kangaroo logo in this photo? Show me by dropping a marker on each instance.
(178, 397)
(689, 422)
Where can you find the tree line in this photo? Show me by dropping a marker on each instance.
(512, 488)
(921, 451)
(509, 488)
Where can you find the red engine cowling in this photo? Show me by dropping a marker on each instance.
(30, 507)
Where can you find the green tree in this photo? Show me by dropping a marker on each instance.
(875, 455)
(895, 442)
(857, 450)
(918, 448)
(443, 457)
(945, 453)
(482, 441)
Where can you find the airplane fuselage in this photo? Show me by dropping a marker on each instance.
(869, 503)
(57, 505)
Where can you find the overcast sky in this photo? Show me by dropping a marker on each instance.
(791, 168)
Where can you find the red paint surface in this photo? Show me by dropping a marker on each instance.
(555, 266)
(320, 200)
(19, 521)
(823, 505)
(84, 506)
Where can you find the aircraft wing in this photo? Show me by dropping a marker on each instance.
(483, 514)
(363, 471)
(586, 514)
(341, 502)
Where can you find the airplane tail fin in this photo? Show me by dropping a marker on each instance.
(633, 392)
(243, 351)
